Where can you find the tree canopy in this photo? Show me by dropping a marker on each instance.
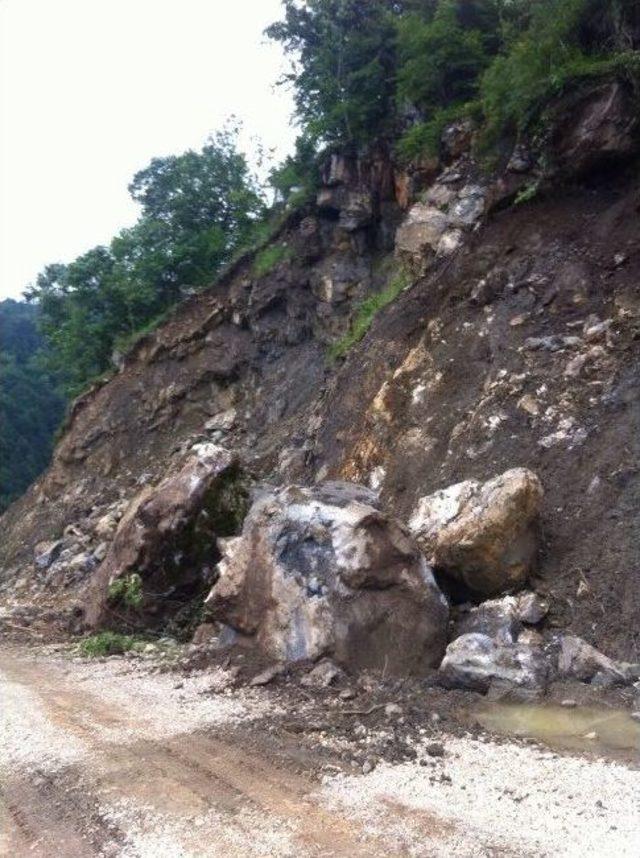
(365, 71)
(197, 209)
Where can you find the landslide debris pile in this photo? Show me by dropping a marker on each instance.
(459, 490)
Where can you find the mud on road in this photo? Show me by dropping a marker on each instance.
(115, 759)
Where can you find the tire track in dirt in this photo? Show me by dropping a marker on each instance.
(182, 777)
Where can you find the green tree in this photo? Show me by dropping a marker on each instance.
(30, 406)
(342, 67)
(196, 210)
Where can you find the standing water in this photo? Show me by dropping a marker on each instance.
(580, 728)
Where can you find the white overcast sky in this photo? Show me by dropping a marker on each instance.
(91, 90)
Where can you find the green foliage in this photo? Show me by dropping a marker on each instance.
(424, 138)
(296, 180)
(127, 591)
(196, 210)
(342, 66)
(529, 192)
(108, 643)
(440, 59)
(267, 259)
(30, 406)
(366, 313)
(565, 42)
(364, 71)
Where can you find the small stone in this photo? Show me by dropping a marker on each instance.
(569, 704)
(583, 589)
(518, 320)
(591, 736)
(635, 715)
(347, 694)
(529, 404)
(266, 676)
(391, 710)
(322, 675)
(435, 749)
(368, 765)
(149, 648)
(619, 259)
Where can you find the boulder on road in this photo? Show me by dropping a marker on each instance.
(321, 572)
(155, 532)
(475, 661)
(483, 535)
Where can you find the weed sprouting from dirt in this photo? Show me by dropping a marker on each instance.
(108, 643)
(366, 313)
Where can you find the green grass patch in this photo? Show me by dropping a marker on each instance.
(366, 313)
(108, 643)
(267, 259)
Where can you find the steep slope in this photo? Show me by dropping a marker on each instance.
(513, 343)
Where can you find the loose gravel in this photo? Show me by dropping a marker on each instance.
(483, 796)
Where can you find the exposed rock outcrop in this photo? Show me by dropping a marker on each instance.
(483, 535)
(598, 125)
(323, 572)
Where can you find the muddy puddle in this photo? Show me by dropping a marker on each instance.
(611, 732)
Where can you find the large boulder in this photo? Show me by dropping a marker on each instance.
(483, 535)
(323, 572)
(161, 527)
(476, 661)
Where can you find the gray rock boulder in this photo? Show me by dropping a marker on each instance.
(321, 572)
(483, 535)
(503, 619)
(475, 661)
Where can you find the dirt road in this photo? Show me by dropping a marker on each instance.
(105, 760)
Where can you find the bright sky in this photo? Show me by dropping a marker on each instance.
(91, 90)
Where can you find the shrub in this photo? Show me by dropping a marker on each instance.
(554, 54)
(366, 313)
(424, 138)
(127, 591)
(107, 643)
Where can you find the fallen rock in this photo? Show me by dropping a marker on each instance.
(322, 675)
(320, 572)
(266, 676)
(496, 618)
(579, 660)
(147, 540)
(475, 661)
(47, 553)
(483, 535)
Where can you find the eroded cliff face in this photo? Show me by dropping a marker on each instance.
(515, 343)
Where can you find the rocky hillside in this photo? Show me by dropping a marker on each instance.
(506, 337)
